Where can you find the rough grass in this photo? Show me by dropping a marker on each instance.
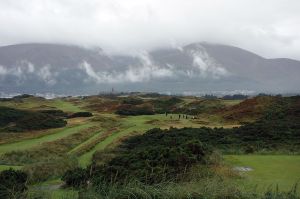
(269, 170)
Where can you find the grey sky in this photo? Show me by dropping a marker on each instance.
(268, 27)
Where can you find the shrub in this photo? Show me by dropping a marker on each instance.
(77, 177)
(8, 115)
(80, 114)
(12, 184)
(138, 158)
(54, 168)
(132, 101)
(20, 120)
(135, 110)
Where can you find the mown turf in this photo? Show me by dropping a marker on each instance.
(6, 167)
(37, 103)
(88, 141)
(29, 143)
(66, 106)
(269, 170)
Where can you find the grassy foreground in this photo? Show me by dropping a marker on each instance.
(269, 171)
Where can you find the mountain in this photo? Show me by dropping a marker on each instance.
(40, 68)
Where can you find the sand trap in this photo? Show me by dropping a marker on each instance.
(242, 169)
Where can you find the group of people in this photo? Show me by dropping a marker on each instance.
(179, 116)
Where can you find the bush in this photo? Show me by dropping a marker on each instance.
(138, 158)
(38, 121)
(20, 120)
(135, 110)
(77, 177)
(80, 114)
(12, 184)
(55, 168)
(165, 105)
(8, 115)
(132, 101)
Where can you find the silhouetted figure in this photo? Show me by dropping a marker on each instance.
(186, 117)
(171, 116)
(179, 116)
(166, 114)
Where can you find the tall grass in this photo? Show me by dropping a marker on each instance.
(215, 188)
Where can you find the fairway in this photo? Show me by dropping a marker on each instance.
(141, 124)
(5, 167)
(29, 143)
(269, 170)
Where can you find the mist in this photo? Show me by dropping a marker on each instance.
(264, 27)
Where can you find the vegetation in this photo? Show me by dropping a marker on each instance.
(235, 97)
(138, 153)
(128, 109)
(12, 184)
(19, 120)
(80, 114)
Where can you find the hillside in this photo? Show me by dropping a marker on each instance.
(73, 70)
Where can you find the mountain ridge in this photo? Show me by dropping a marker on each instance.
(42, 67)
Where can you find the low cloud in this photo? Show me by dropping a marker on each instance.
(203, 67)
(145, 72)
(46, 75)
(269, 28)
(3, 71)
(22, 69)
(206, 65)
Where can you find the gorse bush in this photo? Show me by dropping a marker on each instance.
(12, 184)
(128, 109)
(137, 158)
(8, 115)
(165, 105)
(42, 171)
(80, 114)
(20, 120)
(77, 177)
(132, 101)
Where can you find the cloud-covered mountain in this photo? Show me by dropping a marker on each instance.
(196, 67)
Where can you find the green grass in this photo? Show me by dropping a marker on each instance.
(269, 170)
(38, 103)
(65, 106)
(6, 167)
(86, 142)
(29, 143)
(231, 102)
(140, 124)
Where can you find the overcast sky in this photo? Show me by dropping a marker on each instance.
(268, 27)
